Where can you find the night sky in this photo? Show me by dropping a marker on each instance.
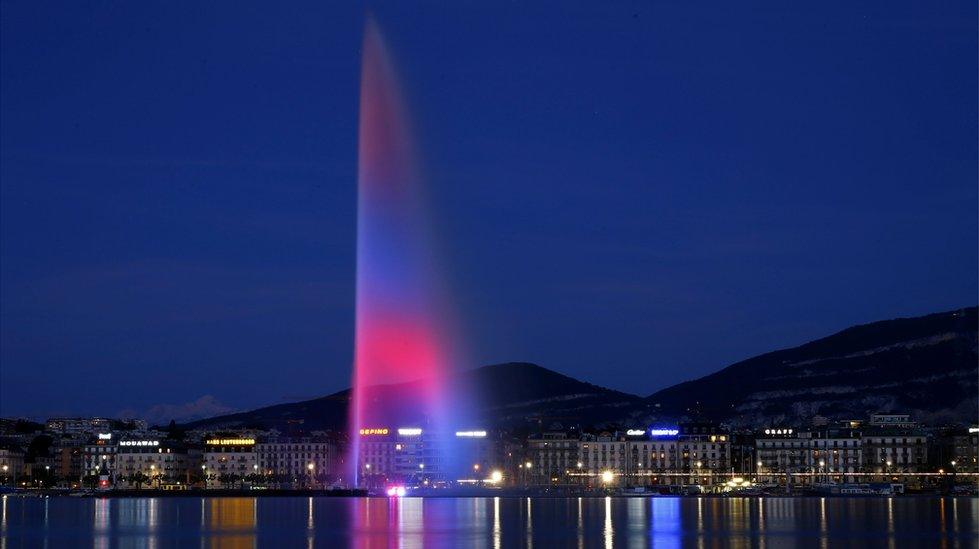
(633, 195)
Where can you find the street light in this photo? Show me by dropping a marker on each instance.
(496, 477)
(607, 477)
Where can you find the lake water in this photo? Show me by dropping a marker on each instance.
(488, 522)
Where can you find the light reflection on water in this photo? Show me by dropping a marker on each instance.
(487, 522)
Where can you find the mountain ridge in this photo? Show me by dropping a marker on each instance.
(885, 358)
(900, 364)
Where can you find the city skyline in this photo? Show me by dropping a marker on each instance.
(160, 247)
(483, 274)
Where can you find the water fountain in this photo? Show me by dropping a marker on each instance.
(402, 329)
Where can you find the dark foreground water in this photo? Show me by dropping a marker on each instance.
(488, 522)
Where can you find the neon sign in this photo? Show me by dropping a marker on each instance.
(664, 432)
(778, 431)
(231, 441)
(139, 443)
(374, 431)
(409, 431)
(635, 432)
(471, 434)
(105, 436)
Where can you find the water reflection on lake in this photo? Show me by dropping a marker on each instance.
(487, 522)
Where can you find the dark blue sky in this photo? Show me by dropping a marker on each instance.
(633, 195)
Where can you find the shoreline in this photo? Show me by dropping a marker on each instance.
(221, 493)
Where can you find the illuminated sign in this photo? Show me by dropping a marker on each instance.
(778, 431)
(409, 431)
(635, 432)
(374, 431)
(471, 434)
(231, 441)
(664, 432)
(105, 436)
(139, 443)
(974, 429)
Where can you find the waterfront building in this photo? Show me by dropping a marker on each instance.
(11, 463)
(380, 462)
(834, 454)
(743, 458)
(553, 455)
(98, 455)
(691, 453)
(629, 458)
(703, 449)
(154, 463)
(68, 454)
(228, 460)
(417, 456)
(966, 449)
(297, 460)
(956, 450)
(602, 455)
(891, 450)
(474, 456)
(656, 454)
(781, 451)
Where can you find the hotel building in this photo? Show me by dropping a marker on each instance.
(781, 451)
(167, 464)
(227, 460)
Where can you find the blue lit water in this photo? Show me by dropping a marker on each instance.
(488, 522)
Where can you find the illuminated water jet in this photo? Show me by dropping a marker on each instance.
(402, 331)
